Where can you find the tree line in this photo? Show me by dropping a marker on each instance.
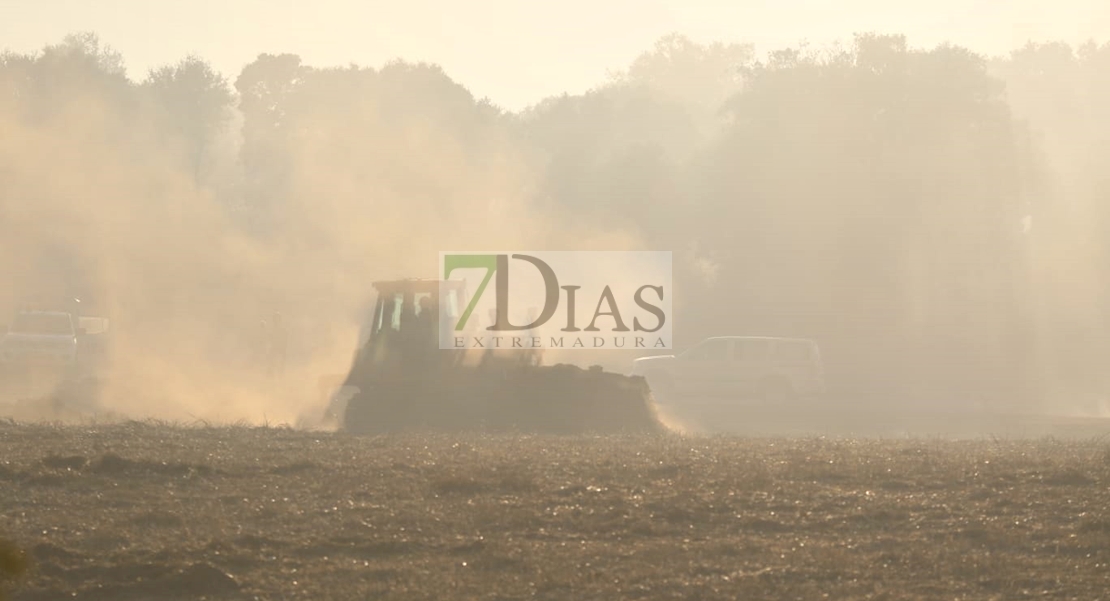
(933, 217)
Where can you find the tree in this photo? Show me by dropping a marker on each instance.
(264, 87)
(869, 196)
(86, 46)
(194, 103)
(1062, 95)
(700, 76)
(75, 75)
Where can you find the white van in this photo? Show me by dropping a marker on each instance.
(752, 366)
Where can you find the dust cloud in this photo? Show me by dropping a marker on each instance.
(103, 200)
(934, 218)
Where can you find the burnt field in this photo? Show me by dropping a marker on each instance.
(146, 511)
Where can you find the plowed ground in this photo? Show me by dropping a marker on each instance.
(156, 511)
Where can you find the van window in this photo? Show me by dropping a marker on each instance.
(710, 350)
(791, 350)
(752, 349)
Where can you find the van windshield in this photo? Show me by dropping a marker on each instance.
(55, 324)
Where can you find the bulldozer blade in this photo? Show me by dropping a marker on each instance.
(556, 399)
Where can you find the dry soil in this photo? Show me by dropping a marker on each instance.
(159, 511)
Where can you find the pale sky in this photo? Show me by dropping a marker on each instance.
(517, 52)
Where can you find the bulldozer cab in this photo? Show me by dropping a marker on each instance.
(409, 308)
(404, 331)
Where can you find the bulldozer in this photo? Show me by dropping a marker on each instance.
(400, 378)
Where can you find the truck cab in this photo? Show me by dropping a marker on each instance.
(40, 339)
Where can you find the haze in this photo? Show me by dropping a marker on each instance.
(519, 53)
(933, 216)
